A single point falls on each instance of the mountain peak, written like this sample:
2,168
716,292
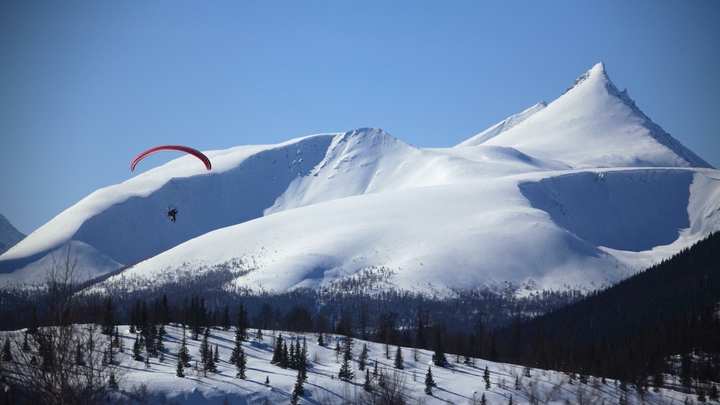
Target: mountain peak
593,124
598,75
9,236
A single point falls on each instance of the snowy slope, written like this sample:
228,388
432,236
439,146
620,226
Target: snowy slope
503,126
456,383
9,236
582,192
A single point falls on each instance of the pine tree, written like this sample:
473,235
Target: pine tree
285,357
375,370
511,401
483,400
367,385
117,343
225,322
438,356
136,349
399,362
346,373
241,364
110,353
292,358
216,356
183,352
303,360
429,382
112,382
321,342
486,378
242,323
277,351
210,364
713,396
259,335
205,351
267,381
7,351
79,356
236,350
159,345
299,389
25,345
108,321
180,367
362,359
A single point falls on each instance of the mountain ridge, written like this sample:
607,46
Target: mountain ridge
316,209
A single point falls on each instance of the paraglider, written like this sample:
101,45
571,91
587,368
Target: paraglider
172,212
186,149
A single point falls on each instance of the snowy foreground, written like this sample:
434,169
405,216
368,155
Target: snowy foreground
457,383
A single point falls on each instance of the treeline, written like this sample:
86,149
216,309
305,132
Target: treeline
665,320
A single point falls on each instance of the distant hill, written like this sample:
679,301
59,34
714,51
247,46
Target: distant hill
9,236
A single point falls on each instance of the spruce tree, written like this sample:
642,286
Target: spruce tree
346,373
285,357
183,352
299,389
438,356
7,350
180,366
236,350
399,362
241,364
277,351
225,322
429,382
303,360
205,351
483,400
112,382
367,385
136,350
362,359
25,345
79,356
486,378
242,323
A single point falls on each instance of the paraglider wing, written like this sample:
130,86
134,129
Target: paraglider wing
191,151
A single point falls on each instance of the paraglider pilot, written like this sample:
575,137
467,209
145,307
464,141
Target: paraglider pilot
171,213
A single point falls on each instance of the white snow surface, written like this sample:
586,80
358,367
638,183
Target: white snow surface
580,193
456,383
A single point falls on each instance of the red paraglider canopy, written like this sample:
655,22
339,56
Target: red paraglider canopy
191,151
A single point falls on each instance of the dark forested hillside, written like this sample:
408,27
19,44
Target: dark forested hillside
629,331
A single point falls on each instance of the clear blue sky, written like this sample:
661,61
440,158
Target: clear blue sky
87,85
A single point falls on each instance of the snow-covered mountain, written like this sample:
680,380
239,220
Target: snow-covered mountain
583,191
9,236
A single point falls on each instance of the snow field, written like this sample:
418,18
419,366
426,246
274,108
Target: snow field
455,384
